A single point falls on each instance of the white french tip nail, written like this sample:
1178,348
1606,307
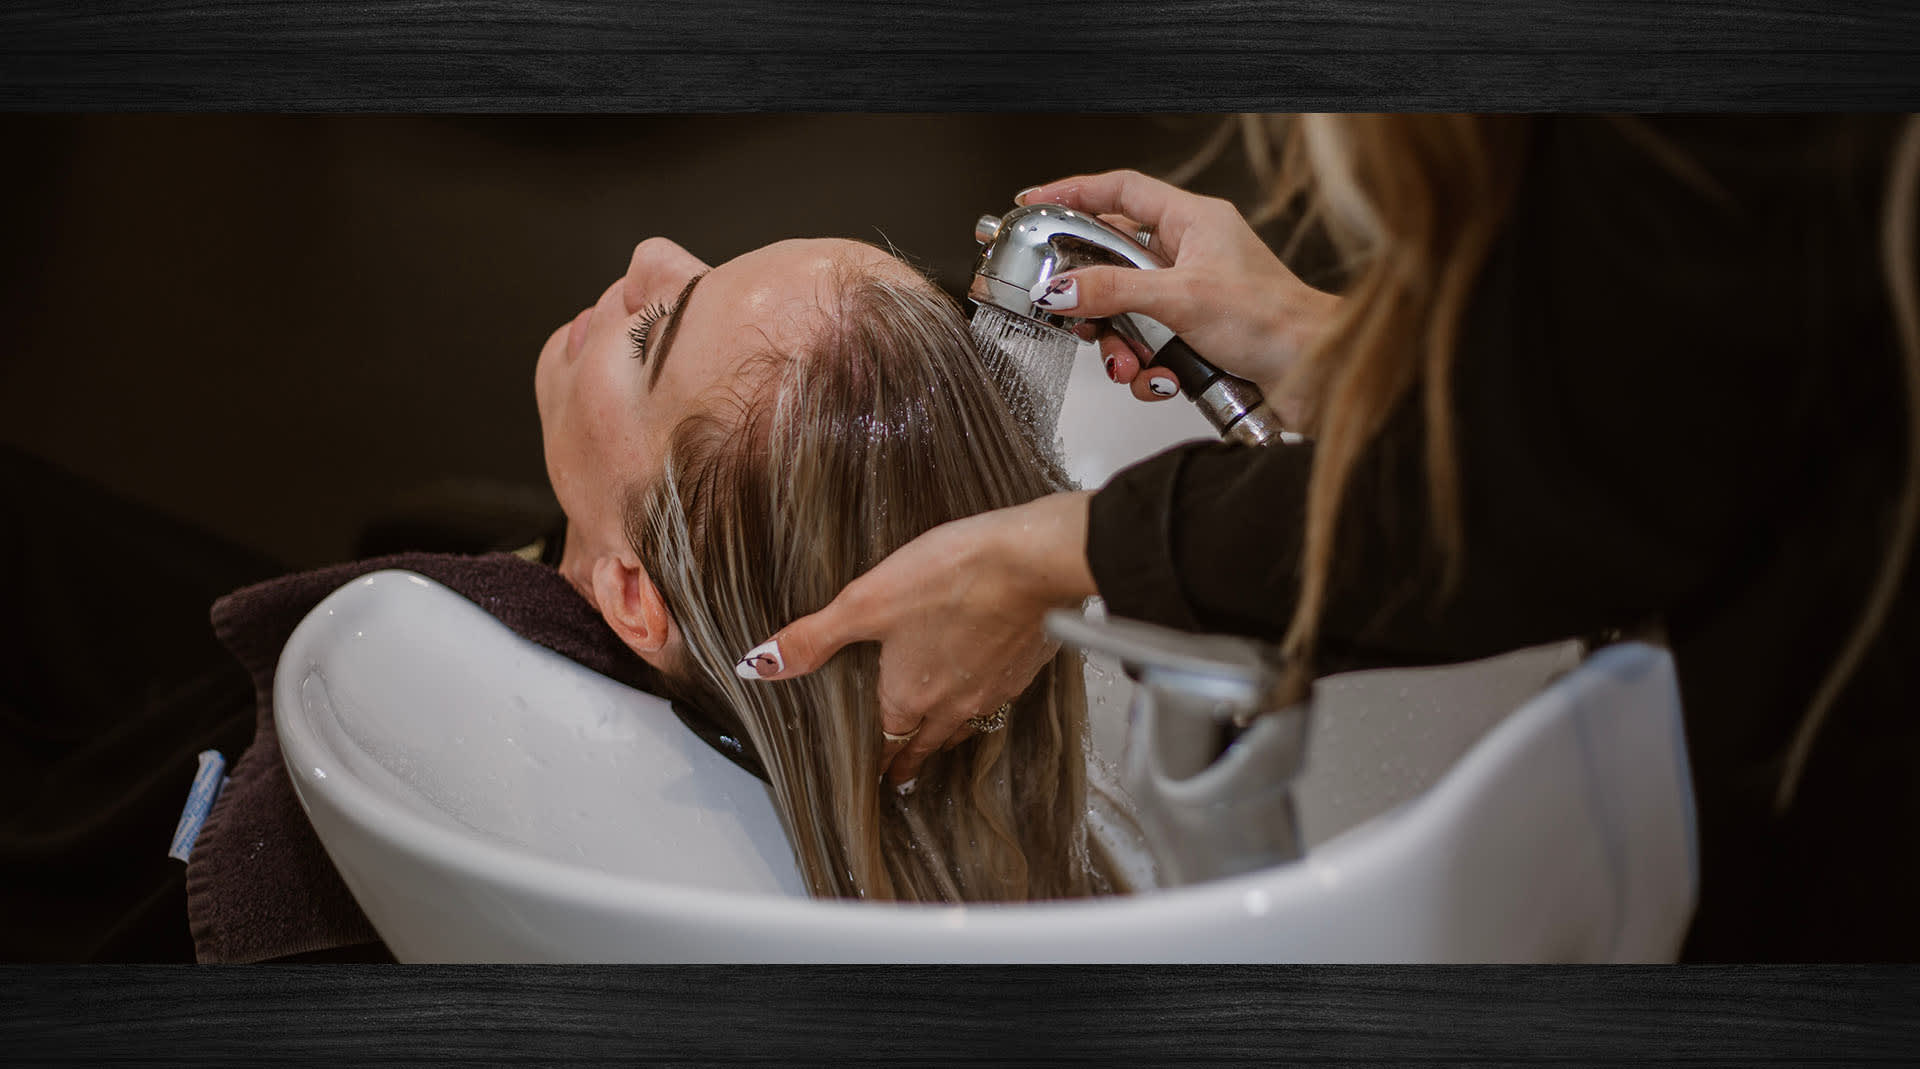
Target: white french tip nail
1056,294
760,662
1162,387
907,787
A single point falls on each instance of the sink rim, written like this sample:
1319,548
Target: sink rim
1253,916
372,813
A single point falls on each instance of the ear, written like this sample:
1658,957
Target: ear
634,609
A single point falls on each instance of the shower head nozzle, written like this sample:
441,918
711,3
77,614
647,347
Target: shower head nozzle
1030,244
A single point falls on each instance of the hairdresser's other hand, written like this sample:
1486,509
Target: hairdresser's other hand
1225,292
957,613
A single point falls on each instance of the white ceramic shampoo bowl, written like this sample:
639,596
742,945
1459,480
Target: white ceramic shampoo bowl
488,800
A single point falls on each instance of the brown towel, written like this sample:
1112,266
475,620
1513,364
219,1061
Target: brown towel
259,885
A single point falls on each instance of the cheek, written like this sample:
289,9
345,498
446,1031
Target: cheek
564,422
594,434
590,398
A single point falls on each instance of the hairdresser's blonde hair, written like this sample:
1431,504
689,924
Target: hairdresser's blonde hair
1414,203
886,426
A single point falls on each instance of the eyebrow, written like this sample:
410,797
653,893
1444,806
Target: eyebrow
672,327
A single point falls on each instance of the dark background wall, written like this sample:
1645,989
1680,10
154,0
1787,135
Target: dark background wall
279,327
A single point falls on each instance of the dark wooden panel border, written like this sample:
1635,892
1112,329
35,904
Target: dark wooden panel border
1741,1016
1117,55
898,55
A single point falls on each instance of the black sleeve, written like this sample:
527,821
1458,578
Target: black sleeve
1625,391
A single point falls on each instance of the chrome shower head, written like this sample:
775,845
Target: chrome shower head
1027,246
1030,244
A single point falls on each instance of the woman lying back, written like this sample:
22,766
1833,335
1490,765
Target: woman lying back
732,446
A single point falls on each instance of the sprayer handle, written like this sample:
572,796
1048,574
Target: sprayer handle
1233,405
1194,373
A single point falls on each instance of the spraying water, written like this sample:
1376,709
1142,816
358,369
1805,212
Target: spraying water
1030,362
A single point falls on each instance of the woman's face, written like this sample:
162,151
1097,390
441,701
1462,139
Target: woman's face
606,413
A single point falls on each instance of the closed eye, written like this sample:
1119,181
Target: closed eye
642,326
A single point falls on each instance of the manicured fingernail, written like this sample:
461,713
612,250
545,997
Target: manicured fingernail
1113,369
760,662
1163,386
1021,197
1056,294
907,787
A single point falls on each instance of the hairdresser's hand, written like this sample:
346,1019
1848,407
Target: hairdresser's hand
957,613
1225,292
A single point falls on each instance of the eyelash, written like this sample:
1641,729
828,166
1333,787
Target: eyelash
638,332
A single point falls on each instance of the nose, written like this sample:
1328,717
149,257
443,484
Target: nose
659,266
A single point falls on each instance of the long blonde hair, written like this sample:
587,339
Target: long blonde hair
1415,204
885,427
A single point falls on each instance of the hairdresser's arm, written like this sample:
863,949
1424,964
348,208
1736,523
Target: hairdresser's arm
1210,537
958,615
1621,395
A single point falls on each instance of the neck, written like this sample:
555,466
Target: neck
576,564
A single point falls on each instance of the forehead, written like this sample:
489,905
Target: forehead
776,295
771,300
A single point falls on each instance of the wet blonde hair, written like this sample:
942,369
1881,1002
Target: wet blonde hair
1414,204
885,426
